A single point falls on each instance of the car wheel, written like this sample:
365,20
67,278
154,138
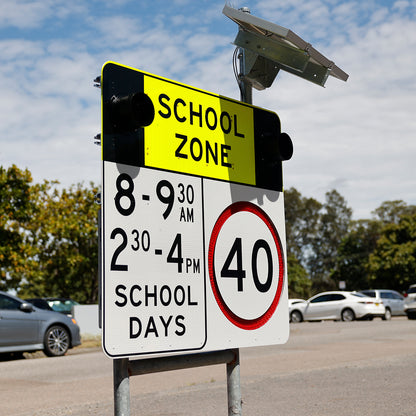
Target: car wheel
56,341
296,317
411,316
348,315
387,315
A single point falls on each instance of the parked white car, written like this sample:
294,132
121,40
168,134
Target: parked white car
294,315
410,302
337,305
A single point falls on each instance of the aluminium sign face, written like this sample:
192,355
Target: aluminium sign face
193,237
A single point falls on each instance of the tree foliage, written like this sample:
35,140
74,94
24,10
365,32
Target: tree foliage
302,221
16,208
299,283
48,238
351,264
393,263
64,238
377,253
314,232
332,228
391,211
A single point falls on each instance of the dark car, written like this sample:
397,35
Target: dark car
26,328
62,305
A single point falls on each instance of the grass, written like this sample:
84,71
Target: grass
90,341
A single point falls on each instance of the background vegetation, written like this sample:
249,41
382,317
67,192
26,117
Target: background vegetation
48,238
49,243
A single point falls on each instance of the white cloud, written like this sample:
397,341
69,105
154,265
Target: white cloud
203,44
356,136
23,14
118,31
28,14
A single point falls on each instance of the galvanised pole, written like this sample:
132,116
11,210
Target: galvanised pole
233,367
121,387
233,386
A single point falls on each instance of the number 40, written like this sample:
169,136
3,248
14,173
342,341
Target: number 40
236,252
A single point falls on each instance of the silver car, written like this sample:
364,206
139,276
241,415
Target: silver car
24,328
393,301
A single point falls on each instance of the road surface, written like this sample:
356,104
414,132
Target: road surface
329,368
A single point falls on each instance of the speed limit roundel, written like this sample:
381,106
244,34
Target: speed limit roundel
246,265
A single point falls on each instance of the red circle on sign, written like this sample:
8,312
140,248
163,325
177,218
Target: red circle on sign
243,323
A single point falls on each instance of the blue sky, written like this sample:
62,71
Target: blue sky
357,137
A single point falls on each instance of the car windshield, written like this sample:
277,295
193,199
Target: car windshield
412,290
61,306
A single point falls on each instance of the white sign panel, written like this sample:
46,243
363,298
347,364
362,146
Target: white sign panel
190,264
154,285
247,301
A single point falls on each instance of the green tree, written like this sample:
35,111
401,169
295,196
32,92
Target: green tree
298,281
352,262
63,235
301,219
332,228
16,209
391,211
314,232
353,258
393,263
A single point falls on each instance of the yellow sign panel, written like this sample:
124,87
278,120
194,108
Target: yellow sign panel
155,122
199,133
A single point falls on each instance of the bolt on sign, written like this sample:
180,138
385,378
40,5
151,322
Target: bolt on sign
193,253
